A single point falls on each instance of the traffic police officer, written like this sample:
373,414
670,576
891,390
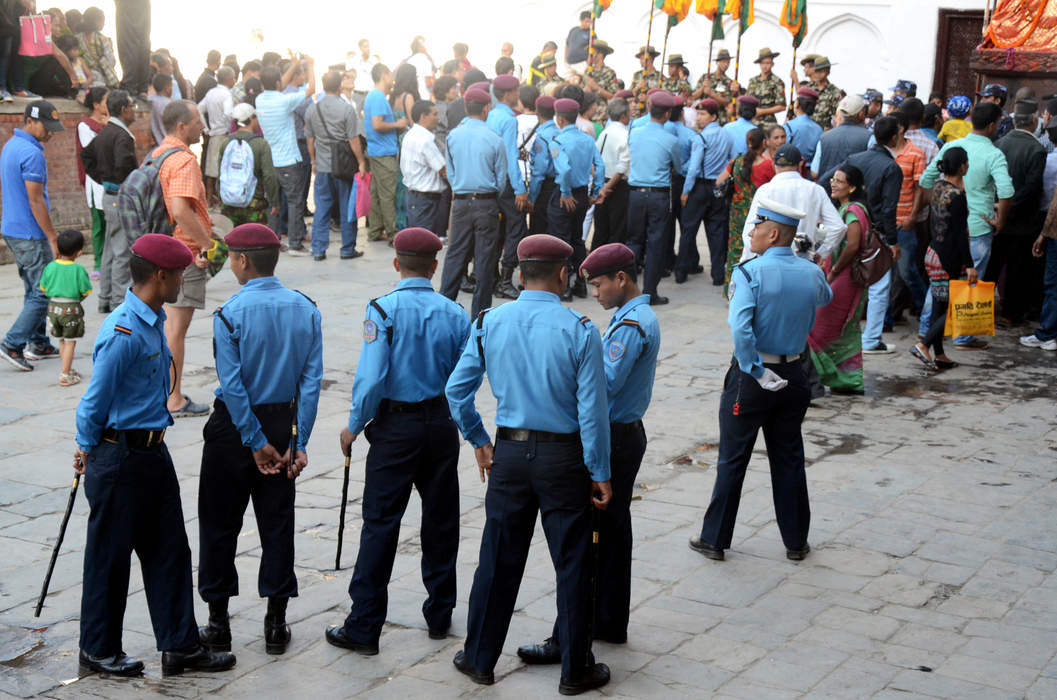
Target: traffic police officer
629,346
773,299
268,344
130,482
477,171
710,152
541,180
654,155
544,364
513,198
412,338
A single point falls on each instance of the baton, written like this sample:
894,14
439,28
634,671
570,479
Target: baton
58,544
595,515
341,521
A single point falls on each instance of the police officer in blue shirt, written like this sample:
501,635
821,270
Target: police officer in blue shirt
541,165
686,137
513,198
709,155
655,154
629,346
773,299
544,364
477,171
268,344
801,130
412,338
747,106
130,482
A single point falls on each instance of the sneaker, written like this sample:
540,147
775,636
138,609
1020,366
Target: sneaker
1032,341
879,349
298,253
974,344
27,94
95,275
16,358
5,96
41,352
352,256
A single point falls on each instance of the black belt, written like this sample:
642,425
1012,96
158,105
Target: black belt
548,180
651,189
579,190
390,406
622,428
271,409
475,195
136,439
427,195
520,435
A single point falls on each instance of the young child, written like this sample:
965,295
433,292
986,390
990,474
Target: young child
958,126
66,283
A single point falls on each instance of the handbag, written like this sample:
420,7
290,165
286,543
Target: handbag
35,35
343,162
875,257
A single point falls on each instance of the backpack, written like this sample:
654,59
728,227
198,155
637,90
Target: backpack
140,203
238,184
875,257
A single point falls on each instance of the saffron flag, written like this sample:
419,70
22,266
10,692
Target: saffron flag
677,10
741,10
794,18
601,6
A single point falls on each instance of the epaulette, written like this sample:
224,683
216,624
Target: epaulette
310,299
122,329
480,327
381,312
219,313
631,324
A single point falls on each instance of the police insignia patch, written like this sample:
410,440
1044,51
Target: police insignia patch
616,350
730,290
554,151
370,331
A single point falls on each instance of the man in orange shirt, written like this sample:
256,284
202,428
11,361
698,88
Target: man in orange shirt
185,198
912,162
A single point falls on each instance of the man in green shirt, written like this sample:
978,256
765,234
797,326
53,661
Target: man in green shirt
266,196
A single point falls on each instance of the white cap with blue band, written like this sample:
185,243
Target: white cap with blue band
770,210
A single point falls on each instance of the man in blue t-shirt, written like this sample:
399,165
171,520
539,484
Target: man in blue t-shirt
381,129
576,46
28,231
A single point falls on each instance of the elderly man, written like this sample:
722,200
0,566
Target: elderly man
847,138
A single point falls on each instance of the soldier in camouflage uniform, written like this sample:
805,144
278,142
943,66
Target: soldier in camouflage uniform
602,81
768,88
551,79
644,80
718,86
675,83
829,95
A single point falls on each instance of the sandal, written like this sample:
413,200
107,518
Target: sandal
916,352
69,379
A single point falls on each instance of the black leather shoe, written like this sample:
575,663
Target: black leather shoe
549,652
319,258
666,274
701,547
680,277
353,256
478,677
797,554
697,270
215,636
276,636
594,676
173,663
336,636
717,283
438,633
567,295
657,300
580,288
118,665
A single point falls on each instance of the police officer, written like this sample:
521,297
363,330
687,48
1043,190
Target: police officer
654,155
773,299
629,346
477,171
130,482
710,152
412,338
268,343
802,131
541,166
551,456
686,137
513,197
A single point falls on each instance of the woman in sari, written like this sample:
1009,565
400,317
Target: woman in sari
836,341
746,172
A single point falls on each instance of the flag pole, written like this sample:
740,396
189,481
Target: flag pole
737,57
649,27
792,86
664,49
591,40
708,71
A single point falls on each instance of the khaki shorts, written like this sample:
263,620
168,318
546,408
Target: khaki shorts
193,289
213,156
67,319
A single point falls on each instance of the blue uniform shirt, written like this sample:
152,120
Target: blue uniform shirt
428,333
686,137
709,154
630,346
476,159
654,154
502,121
545,368
804,133
773,299
272,350
541,165
574,153
737,130
130,374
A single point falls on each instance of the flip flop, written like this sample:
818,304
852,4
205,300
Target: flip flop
924,360
943,364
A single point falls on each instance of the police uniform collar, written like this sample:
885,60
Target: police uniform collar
502,107
139,307
779,250
538,295
630,304
414,283
268,282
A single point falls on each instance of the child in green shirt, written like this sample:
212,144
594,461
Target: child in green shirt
66,283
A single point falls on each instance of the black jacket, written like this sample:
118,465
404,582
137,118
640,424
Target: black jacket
1026,159
883,179
111,155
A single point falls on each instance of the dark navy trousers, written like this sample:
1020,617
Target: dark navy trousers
512,227
472,234
569,225
648,215
702,206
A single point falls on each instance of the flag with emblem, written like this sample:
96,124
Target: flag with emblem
794,18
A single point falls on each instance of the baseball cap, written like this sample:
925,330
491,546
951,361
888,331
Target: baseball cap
45,112
851,105
243,113
788,155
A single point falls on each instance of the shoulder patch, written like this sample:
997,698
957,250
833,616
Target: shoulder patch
370,331
310,299
122,329
554,151
730,288
615,350
584,320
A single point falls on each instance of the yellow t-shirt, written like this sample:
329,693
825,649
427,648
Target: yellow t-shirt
955,129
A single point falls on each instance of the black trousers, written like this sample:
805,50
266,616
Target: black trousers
1019,272
538,219
934,338
648,216
443,212
133,44
423,211
549,478
569,225
473,234
419,449
670,240
702,206
135,507
512,227
611,217
228,480
779,414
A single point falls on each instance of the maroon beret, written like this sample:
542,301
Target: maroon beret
653,91
707,103
679,101
252,237
749,100
607,258
417,241
566,104
662,99
163,251
477,96
807,92
624,94
483,85
505,82
541,247
544,102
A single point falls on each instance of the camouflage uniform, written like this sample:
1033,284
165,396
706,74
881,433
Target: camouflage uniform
770,92
677,86
720,84
826,107
638,102
547,87
606,78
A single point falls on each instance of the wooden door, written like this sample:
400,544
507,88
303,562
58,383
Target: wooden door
959,32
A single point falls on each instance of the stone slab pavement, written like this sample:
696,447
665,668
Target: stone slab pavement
932,571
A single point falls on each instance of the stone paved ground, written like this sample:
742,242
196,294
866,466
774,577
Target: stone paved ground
932,572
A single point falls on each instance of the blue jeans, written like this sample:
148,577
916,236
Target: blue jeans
31,256
926,314
1048,318
332,192
980,249
908,269
876,307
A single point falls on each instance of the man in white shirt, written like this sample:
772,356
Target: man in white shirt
527,123
216,109
423,67
611,213
423,168
362,65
